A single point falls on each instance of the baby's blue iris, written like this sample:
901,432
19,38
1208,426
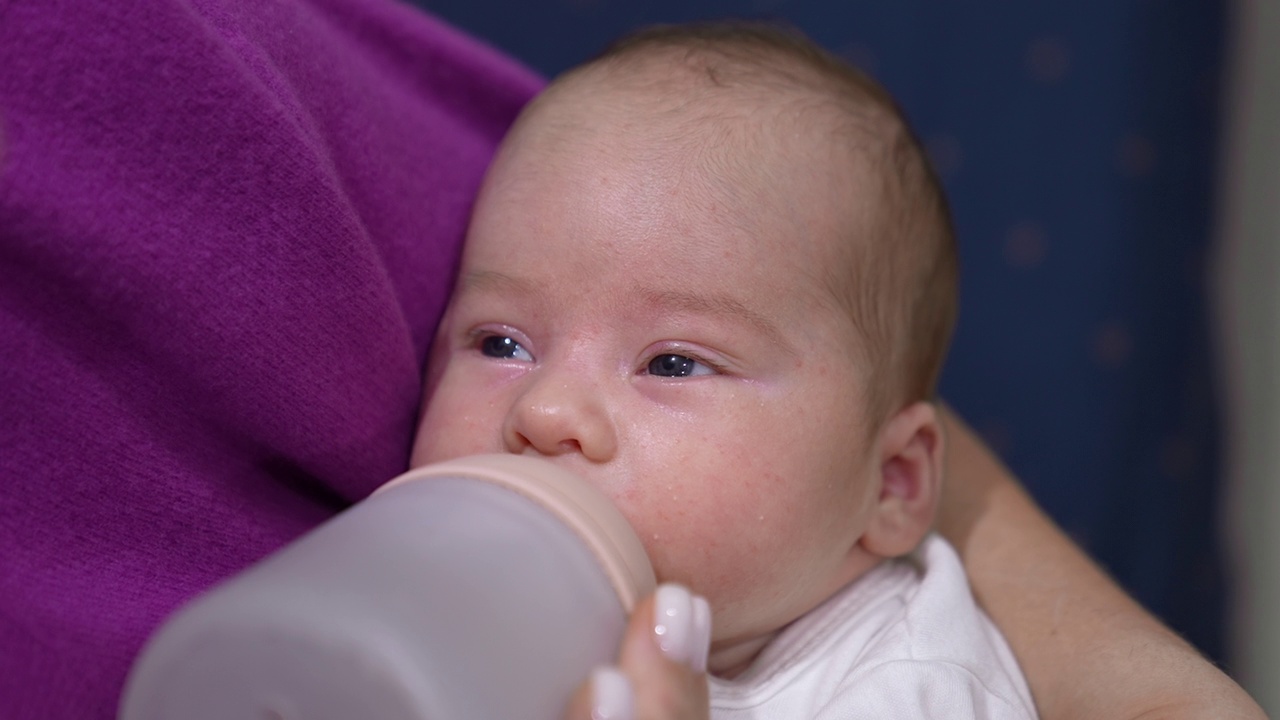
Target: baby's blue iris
671,365
501,346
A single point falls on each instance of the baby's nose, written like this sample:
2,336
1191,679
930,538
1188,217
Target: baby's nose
557,416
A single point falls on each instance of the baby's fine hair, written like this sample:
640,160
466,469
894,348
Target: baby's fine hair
903,293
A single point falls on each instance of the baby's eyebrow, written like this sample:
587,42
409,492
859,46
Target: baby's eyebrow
717,305
675,301
492,280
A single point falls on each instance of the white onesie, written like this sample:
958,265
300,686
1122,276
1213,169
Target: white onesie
906,640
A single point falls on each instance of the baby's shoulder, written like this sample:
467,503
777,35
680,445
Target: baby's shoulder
905,640
940,652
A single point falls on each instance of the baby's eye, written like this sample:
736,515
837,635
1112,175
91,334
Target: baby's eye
501,346
673,365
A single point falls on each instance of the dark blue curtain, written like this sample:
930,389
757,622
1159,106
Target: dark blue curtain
1076,140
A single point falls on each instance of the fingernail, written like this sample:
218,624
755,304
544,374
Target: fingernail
701,633
673,627
611,697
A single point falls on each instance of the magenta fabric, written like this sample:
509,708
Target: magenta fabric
227,230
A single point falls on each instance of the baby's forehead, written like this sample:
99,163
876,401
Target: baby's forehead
752,126
766,98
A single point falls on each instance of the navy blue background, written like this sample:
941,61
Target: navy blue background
1077,143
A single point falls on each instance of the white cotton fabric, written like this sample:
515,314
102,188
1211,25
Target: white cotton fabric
906,640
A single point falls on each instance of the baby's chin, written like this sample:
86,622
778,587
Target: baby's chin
739,626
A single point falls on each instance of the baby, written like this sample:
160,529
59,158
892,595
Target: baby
713,273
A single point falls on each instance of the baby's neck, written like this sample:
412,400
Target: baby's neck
731,658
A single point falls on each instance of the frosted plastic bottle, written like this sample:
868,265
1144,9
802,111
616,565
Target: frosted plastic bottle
478,589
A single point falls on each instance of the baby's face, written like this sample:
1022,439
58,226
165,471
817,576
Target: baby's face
630,312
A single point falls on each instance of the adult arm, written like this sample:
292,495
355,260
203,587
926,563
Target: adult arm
1088,650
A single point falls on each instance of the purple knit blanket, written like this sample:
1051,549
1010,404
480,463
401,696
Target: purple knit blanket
227,230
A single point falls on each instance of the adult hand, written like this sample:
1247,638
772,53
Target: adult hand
661,671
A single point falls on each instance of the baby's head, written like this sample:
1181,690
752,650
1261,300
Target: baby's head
713,273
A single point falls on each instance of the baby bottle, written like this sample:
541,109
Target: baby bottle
484,588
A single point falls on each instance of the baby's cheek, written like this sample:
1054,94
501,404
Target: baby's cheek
455,427
712,534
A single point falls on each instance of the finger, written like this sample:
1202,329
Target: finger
606,695
664,653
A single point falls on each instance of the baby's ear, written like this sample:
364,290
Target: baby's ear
910,481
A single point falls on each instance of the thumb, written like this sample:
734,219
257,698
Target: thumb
661,673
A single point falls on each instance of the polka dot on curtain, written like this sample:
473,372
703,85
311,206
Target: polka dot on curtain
860,55
1135,156
1048,59
1025,245
1112,345
946,154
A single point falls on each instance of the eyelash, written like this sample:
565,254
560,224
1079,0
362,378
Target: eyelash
478,338
715,368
